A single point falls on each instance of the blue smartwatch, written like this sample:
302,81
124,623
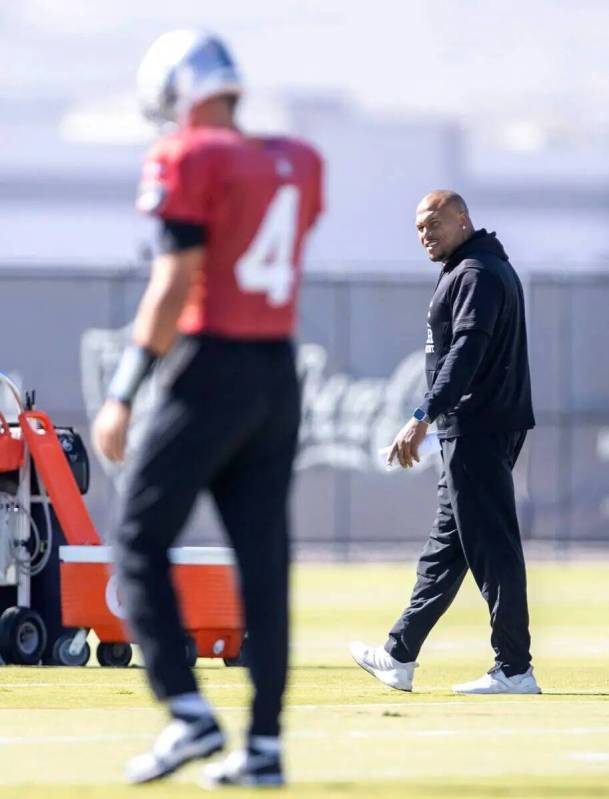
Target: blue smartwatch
420,415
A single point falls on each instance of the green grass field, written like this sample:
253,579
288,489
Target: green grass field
67,732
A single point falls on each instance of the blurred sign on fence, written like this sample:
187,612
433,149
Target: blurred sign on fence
361,364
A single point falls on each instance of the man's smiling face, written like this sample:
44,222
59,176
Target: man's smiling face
442,225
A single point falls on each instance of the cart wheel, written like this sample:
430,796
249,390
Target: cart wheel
62,655
23,636
242,658
192,653
114,655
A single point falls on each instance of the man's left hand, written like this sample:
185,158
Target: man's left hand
406,444
110,429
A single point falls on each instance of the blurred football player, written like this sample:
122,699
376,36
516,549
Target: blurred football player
219,310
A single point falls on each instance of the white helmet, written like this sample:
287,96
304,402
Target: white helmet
181,69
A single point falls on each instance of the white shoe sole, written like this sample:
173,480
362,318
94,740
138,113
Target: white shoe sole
391,678
245,781
520,691
146,768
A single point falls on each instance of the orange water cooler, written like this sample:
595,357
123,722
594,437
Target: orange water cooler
204,578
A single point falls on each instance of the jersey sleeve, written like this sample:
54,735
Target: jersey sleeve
317,203
476,302
177,183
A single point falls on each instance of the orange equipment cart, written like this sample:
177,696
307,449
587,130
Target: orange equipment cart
205,577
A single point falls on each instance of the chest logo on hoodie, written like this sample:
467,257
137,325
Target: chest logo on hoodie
429,345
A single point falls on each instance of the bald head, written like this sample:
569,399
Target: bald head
441,198
443,223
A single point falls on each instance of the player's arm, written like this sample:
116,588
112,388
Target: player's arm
475,309
182,252
154,328
465,356
458,370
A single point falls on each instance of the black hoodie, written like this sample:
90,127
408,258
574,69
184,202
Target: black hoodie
476,354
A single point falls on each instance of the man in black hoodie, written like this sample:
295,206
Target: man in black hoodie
480,399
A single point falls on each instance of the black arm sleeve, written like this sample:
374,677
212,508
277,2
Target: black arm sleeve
457,372
476,301
176,236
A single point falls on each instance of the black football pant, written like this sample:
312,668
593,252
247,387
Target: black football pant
227,421
476,527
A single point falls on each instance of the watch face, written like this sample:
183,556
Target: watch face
419,414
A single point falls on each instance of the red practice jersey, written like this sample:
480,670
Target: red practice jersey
256,198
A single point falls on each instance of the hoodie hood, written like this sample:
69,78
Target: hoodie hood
479,244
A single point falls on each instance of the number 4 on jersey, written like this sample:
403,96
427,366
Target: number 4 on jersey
268,264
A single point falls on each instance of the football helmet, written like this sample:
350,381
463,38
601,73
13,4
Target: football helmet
183,68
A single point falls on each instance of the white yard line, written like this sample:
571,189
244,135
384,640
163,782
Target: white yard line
580,696
18,740
106,688
398,774
465,702
66,686
589,757
391,734
574,731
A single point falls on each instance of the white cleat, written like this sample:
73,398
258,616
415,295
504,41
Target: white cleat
496,682
382,666
245,767
177,744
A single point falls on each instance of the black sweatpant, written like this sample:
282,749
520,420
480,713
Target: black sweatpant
476,527
227,421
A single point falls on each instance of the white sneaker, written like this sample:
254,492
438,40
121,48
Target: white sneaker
496,682
382,666
245,767
177,744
